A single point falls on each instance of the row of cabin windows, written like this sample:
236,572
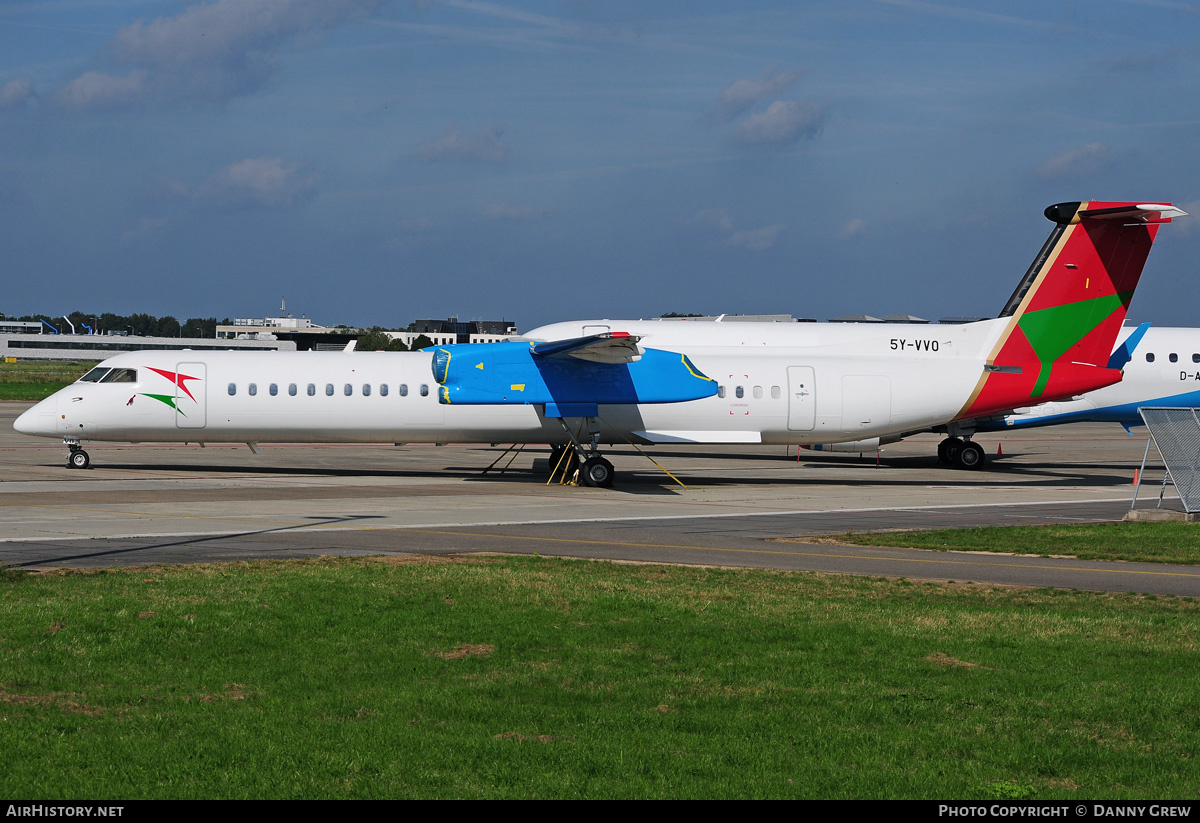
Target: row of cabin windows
756,391
311,389
1173,357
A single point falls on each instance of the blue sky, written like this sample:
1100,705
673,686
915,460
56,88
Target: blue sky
374,162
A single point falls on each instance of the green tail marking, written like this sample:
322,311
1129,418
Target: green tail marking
1051,332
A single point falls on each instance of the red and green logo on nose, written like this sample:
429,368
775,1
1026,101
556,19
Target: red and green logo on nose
177,379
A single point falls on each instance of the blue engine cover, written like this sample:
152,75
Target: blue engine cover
511,374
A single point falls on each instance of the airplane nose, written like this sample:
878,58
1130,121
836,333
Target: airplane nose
38,420
25,421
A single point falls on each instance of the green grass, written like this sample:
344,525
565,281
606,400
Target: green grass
38,379
535,677
1140,542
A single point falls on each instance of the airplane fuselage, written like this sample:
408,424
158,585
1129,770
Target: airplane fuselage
778,384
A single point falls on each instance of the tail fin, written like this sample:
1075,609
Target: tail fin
1065,314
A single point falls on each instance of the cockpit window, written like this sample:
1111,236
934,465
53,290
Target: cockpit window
120,376
94,375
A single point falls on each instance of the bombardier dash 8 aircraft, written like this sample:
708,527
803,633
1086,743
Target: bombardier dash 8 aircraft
576,385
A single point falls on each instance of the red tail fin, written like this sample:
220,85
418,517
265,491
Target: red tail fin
1065,314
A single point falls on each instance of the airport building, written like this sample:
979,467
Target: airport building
34,345
302,333
307,335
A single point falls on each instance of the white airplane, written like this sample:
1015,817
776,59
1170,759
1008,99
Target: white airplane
575,385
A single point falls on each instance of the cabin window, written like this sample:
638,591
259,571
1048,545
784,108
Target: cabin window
1196,358
1149,357
120,376
774,392
329,390
291,389
252,389
404,390
424,390
739,392
347,390
1173,357
366,389
758,392
312,389
274,390
720,391
383,389
232,389
95,375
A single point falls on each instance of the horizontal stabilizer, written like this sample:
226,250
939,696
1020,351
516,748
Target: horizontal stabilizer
609,347
1142,213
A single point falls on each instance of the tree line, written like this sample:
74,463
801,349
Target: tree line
134,324
147,325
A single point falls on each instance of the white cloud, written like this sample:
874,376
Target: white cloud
743,94
264,181
454,145
783,123
95,88
854,228
16,92
145,227
209,51
1082,160
753,239
756,239
716,217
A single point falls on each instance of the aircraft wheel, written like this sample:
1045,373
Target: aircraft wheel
78,459
598,472
970,456
944,450
949,450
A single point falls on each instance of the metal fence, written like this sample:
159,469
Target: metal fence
1176,435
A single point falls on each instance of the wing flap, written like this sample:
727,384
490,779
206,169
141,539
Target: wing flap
607,347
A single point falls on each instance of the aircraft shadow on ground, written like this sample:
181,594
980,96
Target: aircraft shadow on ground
828,470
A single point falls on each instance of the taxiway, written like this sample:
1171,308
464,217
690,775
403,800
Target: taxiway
739,506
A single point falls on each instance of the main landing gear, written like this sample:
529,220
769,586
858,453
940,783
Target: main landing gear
567,459
960,453
77,458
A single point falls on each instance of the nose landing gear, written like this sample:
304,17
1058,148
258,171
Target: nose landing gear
77,458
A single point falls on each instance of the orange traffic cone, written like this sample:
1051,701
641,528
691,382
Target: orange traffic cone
999,449
1135,476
